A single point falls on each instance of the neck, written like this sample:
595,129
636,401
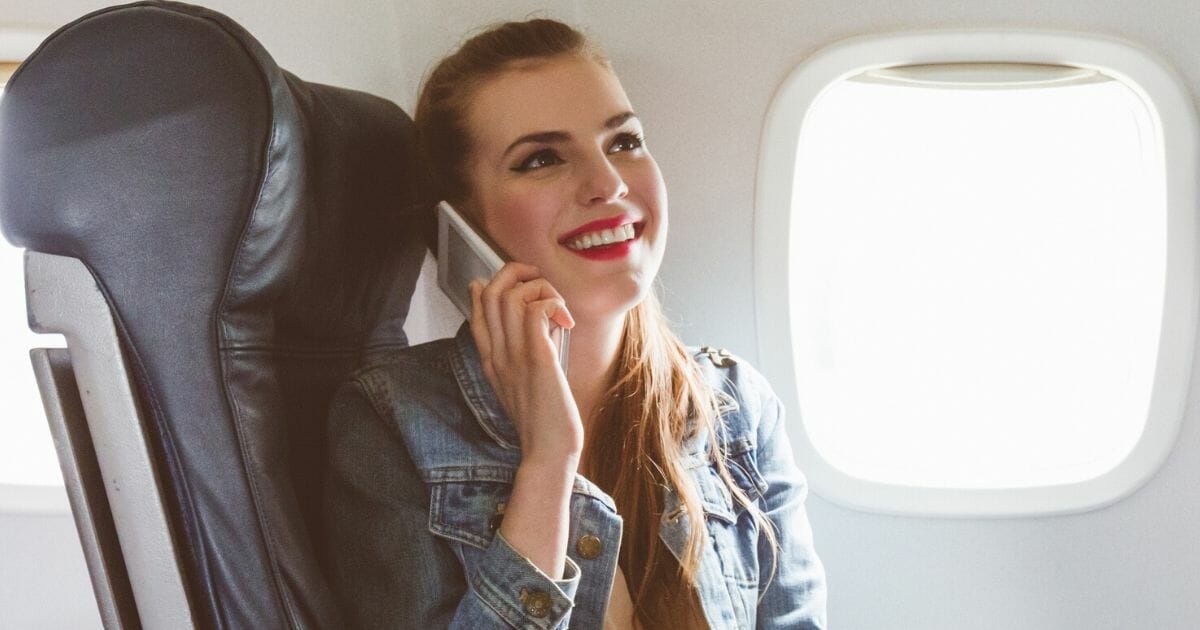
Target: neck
593,352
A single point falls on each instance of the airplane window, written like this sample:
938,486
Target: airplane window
1000,304
977,297
27,454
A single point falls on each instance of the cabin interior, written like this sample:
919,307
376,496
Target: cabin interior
1095,528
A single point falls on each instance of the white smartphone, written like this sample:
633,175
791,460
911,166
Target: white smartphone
464,255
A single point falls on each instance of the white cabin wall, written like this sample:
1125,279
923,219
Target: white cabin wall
43,578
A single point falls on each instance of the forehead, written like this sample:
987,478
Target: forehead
567,94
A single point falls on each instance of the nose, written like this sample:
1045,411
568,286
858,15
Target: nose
602,182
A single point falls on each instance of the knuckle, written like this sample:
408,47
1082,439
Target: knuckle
488,293
545,287
535,310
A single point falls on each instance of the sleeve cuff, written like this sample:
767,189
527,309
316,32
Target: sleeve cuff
521,593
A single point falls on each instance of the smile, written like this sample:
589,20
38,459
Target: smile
600,238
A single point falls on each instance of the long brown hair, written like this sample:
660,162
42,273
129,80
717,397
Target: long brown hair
658,399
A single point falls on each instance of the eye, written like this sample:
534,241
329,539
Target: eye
626,142
540,159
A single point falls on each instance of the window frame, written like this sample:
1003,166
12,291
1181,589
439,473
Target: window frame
16,45
1172,108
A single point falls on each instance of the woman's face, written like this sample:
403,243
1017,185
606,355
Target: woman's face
559,170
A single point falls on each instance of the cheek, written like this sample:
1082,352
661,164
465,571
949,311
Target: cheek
647,183
518,223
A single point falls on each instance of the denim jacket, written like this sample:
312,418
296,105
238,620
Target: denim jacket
422,462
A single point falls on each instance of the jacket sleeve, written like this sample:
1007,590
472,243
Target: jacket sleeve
385,566
795,595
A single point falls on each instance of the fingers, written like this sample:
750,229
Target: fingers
505,280
541,290
515,306
511,315
512,273
526,310
538,314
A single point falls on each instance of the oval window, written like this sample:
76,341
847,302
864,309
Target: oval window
981,288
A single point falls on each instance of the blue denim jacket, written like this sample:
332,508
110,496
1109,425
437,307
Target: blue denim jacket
423,459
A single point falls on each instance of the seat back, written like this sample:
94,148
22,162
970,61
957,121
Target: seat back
255,237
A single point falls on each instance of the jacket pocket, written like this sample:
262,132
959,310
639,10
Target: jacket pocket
468,511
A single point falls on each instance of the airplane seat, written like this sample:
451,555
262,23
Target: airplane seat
221,243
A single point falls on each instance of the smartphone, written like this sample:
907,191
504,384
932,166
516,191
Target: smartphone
464,255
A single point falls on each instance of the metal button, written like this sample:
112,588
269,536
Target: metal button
589,547
537,603
497,518
719,356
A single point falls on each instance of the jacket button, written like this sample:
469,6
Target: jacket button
719,356
537,603
589,547
497,518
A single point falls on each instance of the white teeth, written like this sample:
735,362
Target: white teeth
603,237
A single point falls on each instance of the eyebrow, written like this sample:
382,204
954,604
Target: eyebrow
549,137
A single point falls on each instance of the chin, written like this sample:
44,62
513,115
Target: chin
612,301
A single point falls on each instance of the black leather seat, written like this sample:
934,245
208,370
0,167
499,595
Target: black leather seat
255,237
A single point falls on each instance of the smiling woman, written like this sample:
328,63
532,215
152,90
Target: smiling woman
473,483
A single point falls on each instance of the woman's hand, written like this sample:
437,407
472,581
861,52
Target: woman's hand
511,318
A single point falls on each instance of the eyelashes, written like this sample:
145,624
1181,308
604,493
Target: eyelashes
539,159
542,158
627,141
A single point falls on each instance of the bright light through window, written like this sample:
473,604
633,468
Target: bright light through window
27,454
977,280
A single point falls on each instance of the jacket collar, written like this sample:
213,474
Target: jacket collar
481,398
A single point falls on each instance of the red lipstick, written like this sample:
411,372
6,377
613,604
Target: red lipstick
606,252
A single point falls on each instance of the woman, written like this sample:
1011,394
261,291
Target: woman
473,484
